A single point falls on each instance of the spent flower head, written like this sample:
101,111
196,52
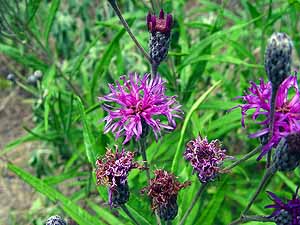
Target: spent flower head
290,210
137,104
205,157
112,170
163,190
287,110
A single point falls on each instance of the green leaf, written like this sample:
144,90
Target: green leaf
33,6
210,212
78,214
103,64
51,17
20,57
200,100
88,137
104,213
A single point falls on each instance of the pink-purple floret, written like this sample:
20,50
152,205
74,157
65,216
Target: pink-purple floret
292,207
139,102
287,112
162,24
205,157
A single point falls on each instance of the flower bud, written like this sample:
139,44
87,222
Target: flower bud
287,154
56,220
283,218
160,30
278,58
11,77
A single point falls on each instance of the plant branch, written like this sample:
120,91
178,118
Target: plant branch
245,219
115,7
195,199
243,159
268,175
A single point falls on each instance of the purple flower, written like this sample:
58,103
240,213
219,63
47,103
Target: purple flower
287,110
205,157
139,103
292,207
160,24
112,170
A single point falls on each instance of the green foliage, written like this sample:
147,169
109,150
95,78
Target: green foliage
216,49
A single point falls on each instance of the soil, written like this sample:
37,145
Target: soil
16,197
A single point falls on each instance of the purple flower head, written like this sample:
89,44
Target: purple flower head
137,104
287,110
205,157
292,207
161,24
113,169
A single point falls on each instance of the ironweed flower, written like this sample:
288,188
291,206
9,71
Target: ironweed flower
285,213
287,110
112,171
137,104
163,191
205,157
160,30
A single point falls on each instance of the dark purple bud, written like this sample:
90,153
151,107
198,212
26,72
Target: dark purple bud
161,14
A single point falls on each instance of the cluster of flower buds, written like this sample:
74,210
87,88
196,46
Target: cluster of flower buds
55,220
160,30
205,157
112,171
35,77
285,213
163,191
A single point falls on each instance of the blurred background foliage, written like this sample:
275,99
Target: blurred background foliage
80,47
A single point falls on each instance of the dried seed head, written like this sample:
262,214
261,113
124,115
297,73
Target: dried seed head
112,171
278,58
163,191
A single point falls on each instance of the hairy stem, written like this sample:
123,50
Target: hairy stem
268,175
195,199
245,219
115,7
123,206
243,159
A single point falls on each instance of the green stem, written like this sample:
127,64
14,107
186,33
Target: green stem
243,159
116,8
195,199
142,150
268,175
123,206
